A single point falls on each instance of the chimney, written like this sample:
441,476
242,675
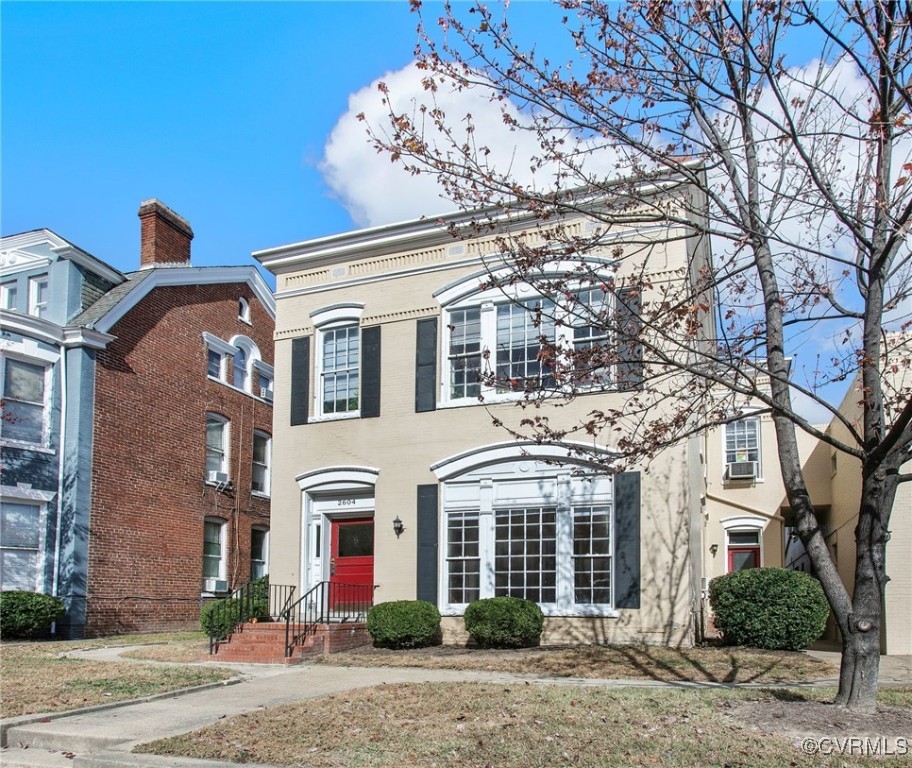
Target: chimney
164,236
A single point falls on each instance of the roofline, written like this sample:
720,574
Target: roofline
423,231
65,249
176,276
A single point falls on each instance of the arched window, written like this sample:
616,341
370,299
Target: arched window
243,310
240,369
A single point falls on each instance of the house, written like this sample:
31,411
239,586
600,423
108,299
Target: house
137,428
388,471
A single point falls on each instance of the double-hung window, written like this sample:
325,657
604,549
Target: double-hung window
260,471
259,552
24,401
20,545
464,356
217,428
214,548
339,379
38,295
742,449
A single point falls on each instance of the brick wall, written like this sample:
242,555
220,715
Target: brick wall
149,499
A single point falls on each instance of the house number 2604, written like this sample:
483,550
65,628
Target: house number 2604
346,502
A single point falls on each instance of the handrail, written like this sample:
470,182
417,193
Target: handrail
251,601
325,602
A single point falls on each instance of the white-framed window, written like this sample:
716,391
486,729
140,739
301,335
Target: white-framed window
9,295
259,552
244,310
21,544
241,374
742,449
217,434
743,542
508,340
25,397
264,386
337,368
215,543
340,369
529,529
262,448
38,295
215,364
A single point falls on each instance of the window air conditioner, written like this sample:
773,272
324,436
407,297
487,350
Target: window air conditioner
215,585
742,470
266,393
218,478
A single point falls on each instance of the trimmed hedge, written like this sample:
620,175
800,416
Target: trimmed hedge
772,608
28,614
504,622
404,624
220,617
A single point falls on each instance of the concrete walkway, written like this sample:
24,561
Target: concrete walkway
102,737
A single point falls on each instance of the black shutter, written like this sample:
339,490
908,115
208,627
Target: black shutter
426,576
426,365
370,371
630,352
627,540
300,379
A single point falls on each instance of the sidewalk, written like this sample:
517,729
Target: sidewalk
103,737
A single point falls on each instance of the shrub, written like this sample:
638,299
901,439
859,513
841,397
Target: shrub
404,624
28,614
772,608
220,617
504,622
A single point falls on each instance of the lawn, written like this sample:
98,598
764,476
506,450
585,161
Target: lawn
38,678
721,665
522,725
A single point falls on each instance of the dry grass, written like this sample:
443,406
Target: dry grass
36,678
515,726
607,662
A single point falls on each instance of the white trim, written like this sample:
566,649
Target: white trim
337,479
223,546
36,308
216,344
746,415
25,491
225,466
62,248
177,276
41,550
52,333
337,313
744,522
267,464
340,317
496,453
244,310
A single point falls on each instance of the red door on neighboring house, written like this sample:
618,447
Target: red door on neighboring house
351,565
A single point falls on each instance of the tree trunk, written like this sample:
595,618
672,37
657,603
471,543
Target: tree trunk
861,632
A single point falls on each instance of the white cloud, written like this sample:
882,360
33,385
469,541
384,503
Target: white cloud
375,190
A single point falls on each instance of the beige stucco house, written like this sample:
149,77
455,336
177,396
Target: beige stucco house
388,469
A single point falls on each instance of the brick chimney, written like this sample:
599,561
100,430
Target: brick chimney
164,236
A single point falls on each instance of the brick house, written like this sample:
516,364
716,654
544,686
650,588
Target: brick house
164,491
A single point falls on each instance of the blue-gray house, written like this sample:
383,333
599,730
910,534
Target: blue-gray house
45,434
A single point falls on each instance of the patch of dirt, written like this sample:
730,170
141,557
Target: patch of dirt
800,719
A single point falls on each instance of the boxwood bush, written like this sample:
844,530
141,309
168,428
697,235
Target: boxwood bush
28,614
504,622
772,608
404,624
220,617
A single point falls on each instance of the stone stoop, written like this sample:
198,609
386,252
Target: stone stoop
264,643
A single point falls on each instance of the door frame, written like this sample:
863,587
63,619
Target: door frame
324,509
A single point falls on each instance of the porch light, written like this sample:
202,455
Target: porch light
398,527
713,548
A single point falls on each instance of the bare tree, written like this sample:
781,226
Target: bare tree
712,119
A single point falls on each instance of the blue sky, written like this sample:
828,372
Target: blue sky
221,110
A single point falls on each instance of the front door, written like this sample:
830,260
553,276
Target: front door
351,565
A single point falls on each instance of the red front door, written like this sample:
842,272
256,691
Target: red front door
351,560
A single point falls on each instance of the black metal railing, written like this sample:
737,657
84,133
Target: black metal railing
326,602
257,600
